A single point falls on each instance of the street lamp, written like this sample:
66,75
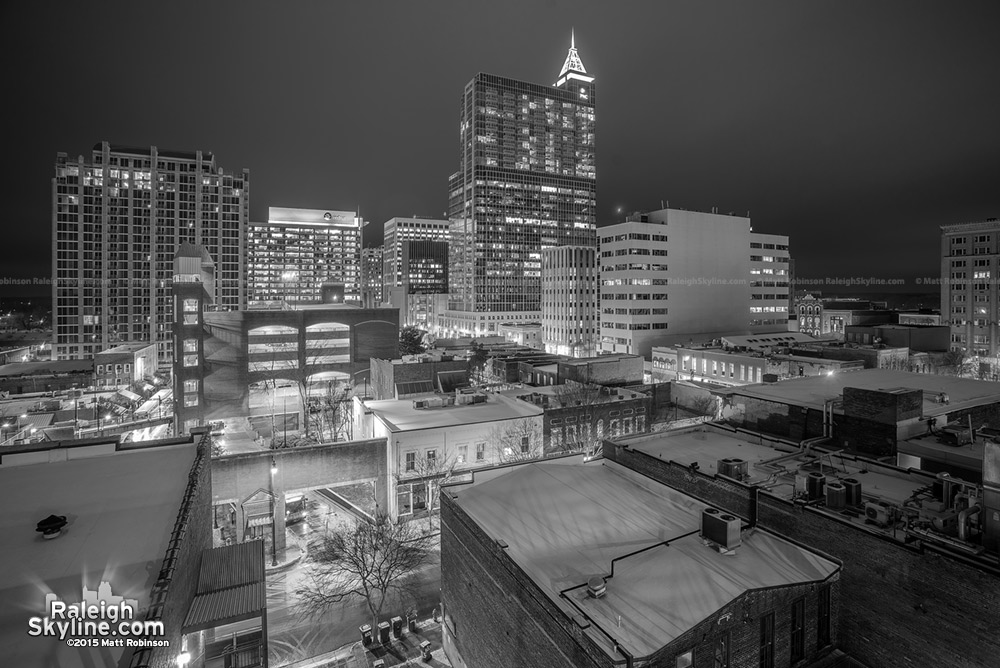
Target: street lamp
274,508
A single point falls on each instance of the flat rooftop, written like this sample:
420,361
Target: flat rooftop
706,445
400,415
815,391
968,456
121,509
564,522
50,368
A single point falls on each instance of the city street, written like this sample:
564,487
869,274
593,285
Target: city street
292,636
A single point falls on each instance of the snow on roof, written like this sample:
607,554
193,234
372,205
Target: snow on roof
400,415
564,523
814,391
121,509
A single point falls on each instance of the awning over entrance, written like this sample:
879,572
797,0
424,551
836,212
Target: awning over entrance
231,587
259,521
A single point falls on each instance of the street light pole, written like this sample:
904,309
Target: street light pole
274,508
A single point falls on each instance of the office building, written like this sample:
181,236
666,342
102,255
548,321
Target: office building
296,251
415,267
117,221
670,275
570,300
969,267
396,232
527,181
371,277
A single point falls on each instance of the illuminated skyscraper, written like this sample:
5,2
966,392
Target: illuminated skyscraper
117,222
296,251
527,181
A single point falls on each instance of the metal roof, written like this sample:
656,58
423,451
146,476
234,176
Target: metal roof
231,566
226,606
231,586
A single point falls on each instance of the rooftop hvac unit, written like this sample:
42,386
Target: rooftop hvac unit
596,587
815,482
721,528
853,487
878,514
836,496
420,404
734,467
956,434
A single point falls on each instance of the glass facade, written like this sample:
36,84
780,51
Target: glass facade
527,181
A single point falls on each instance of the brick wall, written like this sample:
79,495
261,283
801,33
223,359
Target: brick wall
882,407
495,614
182,582
740,620
899,608
498,618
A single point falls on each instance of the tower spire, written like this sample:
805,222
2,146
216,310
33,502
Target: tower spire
573,62
573,67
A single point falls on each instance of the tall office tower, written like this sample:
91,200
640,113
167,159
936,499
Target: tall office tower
424,268
117,222
527,181
371,277
669,276
396,232
297,250
570,300
970,263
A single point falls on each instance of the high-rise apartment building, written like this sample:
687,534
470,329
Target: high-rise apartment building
669,275
570,300
296,251
117,221
970,265
527,181
396,232
371,277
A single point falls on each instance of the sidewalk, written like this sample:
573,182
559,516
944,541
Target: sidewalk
403,651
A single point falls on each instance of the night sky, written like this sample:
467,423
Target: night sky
854,127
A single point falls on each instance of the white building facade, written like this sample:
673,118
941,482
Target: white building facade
671,275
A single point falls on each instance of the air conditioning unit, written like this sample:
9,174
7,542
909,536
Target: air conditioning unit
836,496
734,467
420,404
878,514
721,528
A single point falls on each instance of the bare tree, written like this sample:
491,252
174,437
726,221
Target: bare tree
516,441
332,414
433,472
372,561
957,363
577,394
704,405
583,434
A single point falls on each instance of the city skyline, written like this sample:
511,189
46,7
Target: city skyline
852,130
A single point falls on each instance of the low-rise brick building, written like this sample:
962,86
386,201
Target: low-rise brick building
578,565
578,417
866,412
